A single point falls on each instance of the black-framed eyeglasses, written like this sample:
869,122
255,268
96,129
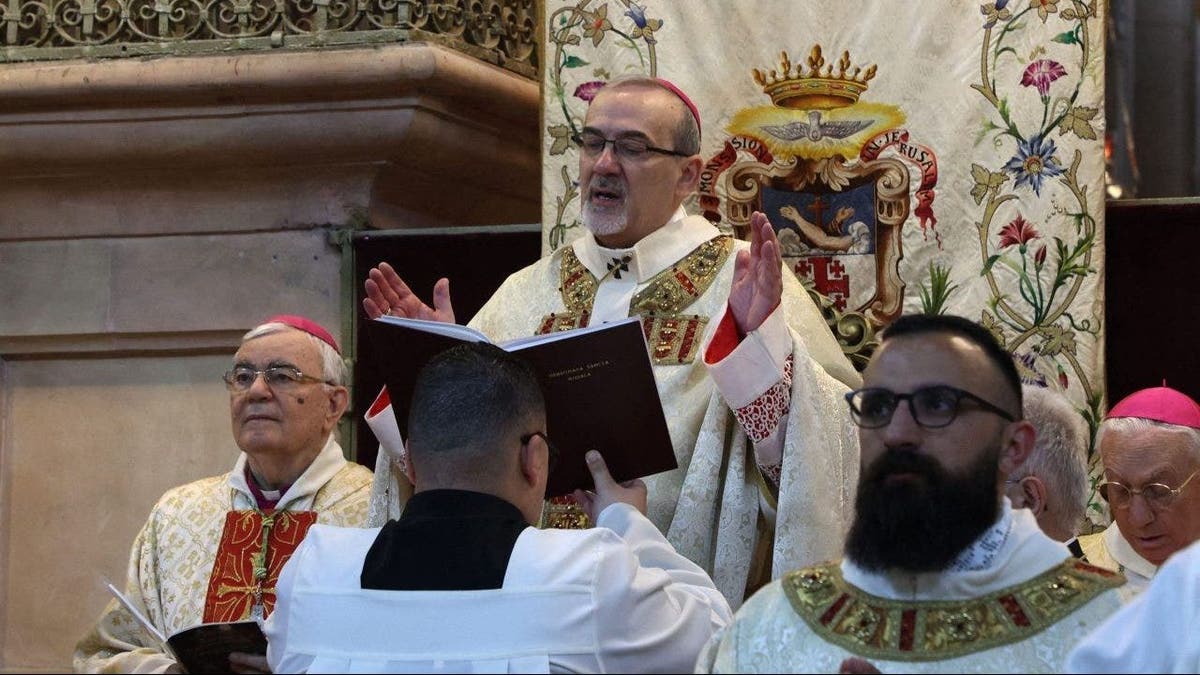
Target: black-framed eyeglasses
625,147
932,407
552,450
278,378
1158,496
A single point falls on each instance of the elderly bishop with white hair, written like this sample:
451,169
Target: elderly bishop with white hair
212,550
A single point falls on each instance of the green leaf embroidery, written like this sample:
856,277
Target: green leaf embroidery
1078,121
987,266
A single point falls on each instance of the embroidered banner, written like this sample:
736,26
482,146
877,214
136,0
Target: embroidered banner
913,156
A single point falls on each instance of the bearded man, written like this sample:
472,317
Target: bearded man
940,573
748,372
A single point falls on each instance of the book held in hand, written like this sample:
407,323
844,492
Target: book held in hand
598,383
203,648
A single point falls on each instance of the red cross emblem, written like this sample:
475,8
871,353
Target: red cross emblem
829,277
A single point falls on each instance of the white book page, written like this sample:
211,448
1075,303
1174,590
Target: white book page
141,618
521,343
454,330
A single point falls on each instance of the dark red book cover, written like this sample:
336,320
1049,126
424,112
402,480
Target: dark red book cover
598,383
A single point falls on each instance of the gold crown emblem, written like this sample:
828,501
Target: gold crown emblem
816,89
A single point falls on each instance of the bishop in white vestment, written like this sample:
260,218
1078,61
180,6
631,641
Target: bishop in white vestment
212,550
750,377
1149,443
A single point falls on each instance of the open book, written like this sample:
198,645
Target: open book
203,648
598,382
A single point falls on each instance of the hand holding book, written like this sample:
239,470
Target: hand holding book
608,491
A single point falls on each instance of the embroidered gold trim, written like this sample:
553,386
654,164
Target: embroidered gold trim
576,283
672,290
564,513
895,630
673,339
552,323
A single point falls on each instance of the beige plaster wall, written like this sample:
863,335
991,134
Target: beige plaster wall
90,445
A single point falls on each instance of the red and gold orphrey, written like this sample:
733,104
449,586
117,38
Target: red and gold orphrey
241,574
896,630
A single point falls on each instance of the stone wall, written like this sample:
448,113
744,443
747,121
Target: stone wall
151,211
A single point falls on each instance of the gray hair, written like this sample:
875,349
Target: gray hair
1059,457
333,368
1141,424
687,130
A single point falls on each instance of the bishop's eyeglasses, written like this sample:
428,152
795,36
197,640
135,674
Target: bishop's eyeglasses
625,147
1157,495
278,378
932,407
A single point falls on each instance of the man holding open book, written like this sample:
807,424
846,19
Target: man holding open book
749,375
462,583
211,551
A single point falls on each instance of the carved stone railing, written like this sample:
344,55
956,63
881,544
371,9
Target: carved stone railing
502,32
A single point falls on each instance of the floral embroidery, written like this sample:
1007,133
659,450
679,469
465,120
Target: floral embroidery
761,416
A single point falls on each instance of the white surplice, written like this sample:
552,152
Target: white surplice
615,598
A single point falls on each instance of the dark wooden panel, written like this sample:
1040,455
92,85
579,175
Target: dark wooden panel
476,264
1151,272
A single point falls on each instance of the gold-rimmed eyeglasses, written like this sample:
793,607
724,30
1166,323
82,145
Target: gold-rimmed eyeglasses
1157,495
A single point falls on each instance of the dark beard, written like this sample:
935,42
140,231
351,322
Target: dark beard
920,524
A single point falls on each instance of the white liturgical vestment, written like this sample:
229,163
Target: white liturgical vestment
615,598
779,392
1154,633
181,549
1015,601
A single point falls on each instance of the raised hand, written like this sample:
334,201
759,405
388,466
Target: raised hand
608,491
388,294
757,277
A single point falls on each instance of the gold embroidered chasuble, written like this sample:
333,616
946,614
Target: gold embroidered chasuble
710,506
1022,613
196,559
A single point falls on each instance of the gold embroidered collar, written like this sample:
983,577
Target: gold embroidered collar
897,630
669,292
